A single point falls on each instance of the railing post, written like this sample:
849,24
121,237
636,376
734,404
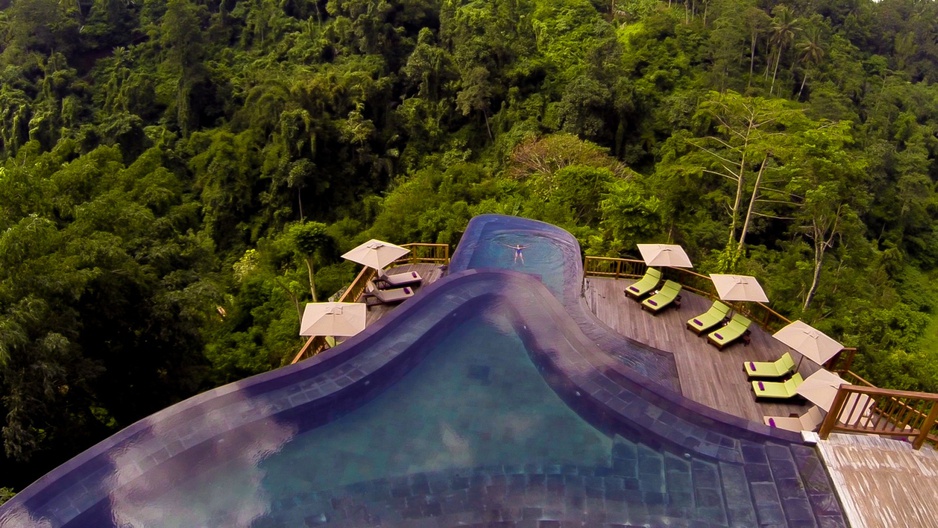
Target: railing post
926,427
831,419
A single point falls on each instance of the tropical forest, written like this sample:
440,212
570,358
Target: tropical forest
179,177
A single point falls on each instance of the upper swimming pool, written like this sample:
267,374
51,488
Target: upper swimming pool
486,398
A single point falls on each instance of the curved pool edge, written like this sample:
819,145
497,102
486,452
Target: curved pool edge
658,382
609,393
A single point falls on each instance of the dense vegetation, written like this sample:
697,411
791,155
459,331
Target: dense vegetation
174,171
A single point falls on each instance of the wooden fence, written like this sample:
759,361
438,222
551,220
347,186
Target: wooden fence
701,284
871,410
420,253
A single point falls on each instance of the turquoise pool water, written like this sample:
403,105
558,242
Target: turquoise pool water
477,400
437,415
544,257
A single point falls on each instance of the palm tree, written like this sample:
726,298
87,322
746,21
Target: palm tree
784,26
757,21
810,51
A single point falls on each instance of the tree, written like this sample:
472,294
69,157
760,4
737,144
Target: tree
810,50
756,22
749,133
825,184
311,238
784,28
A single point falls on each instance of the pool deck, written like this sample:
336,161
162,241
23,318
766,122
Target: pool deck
708,376
430,273
860,466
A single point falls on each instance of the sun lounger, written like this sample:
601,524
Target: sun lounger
398,280
808,421
770,369
644,285
666,296
735,329
706,321
374,296
778,390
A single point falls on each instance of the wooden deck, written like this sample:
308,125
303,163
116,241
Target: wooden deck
430,274
882,482
708,376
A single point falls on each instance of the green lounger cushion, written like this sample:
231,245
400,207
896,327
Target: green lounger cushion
665,297
708,320
778,390
645,284
729,333
770,369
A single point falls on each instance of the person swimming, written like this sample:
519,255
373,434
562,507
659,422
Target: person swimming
518,252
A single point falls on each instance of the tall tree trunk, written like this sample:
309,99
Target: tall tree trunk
752,203
778,58
803,80
293,297
312,283
752,58
821,245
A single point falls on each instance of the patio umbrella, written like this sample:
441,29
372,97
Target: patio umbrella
376,254
333,319
821,387
671,255
738,288
810,342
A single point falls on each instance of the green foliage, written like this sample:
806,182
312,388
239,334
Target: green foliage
191,170
5,495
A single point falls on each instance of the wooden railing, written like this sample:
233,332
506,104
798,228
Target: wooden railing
871,410
317,344
420,253
424,253
701,284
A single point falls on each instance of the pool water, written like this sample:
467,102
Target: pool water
544,257
467,428
477,400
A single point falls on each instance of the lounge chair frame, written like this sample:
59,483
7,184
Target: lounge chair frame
717,315
643,286
373,296
736,329
778,390
398,280
668,295
810,420
779,368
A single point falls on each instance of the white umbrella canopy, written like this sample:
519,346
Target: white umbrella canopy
670,255
820,389
376,254
738,288
333,319
809,342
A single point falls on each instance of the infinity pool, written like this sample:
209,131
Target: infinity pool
487,398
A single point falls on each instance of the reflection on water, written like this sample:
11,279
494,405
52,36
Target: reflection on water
476,400
186,493
18,517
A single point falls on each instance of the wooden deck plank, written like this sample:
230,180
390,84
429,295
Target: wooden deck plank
882,482
708,376
430,273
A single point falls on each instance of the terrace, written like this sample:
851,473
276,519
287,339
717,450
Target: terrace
717,380
522,394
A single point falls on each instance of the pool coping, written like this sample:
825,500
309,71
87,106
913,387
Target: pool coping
597,380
